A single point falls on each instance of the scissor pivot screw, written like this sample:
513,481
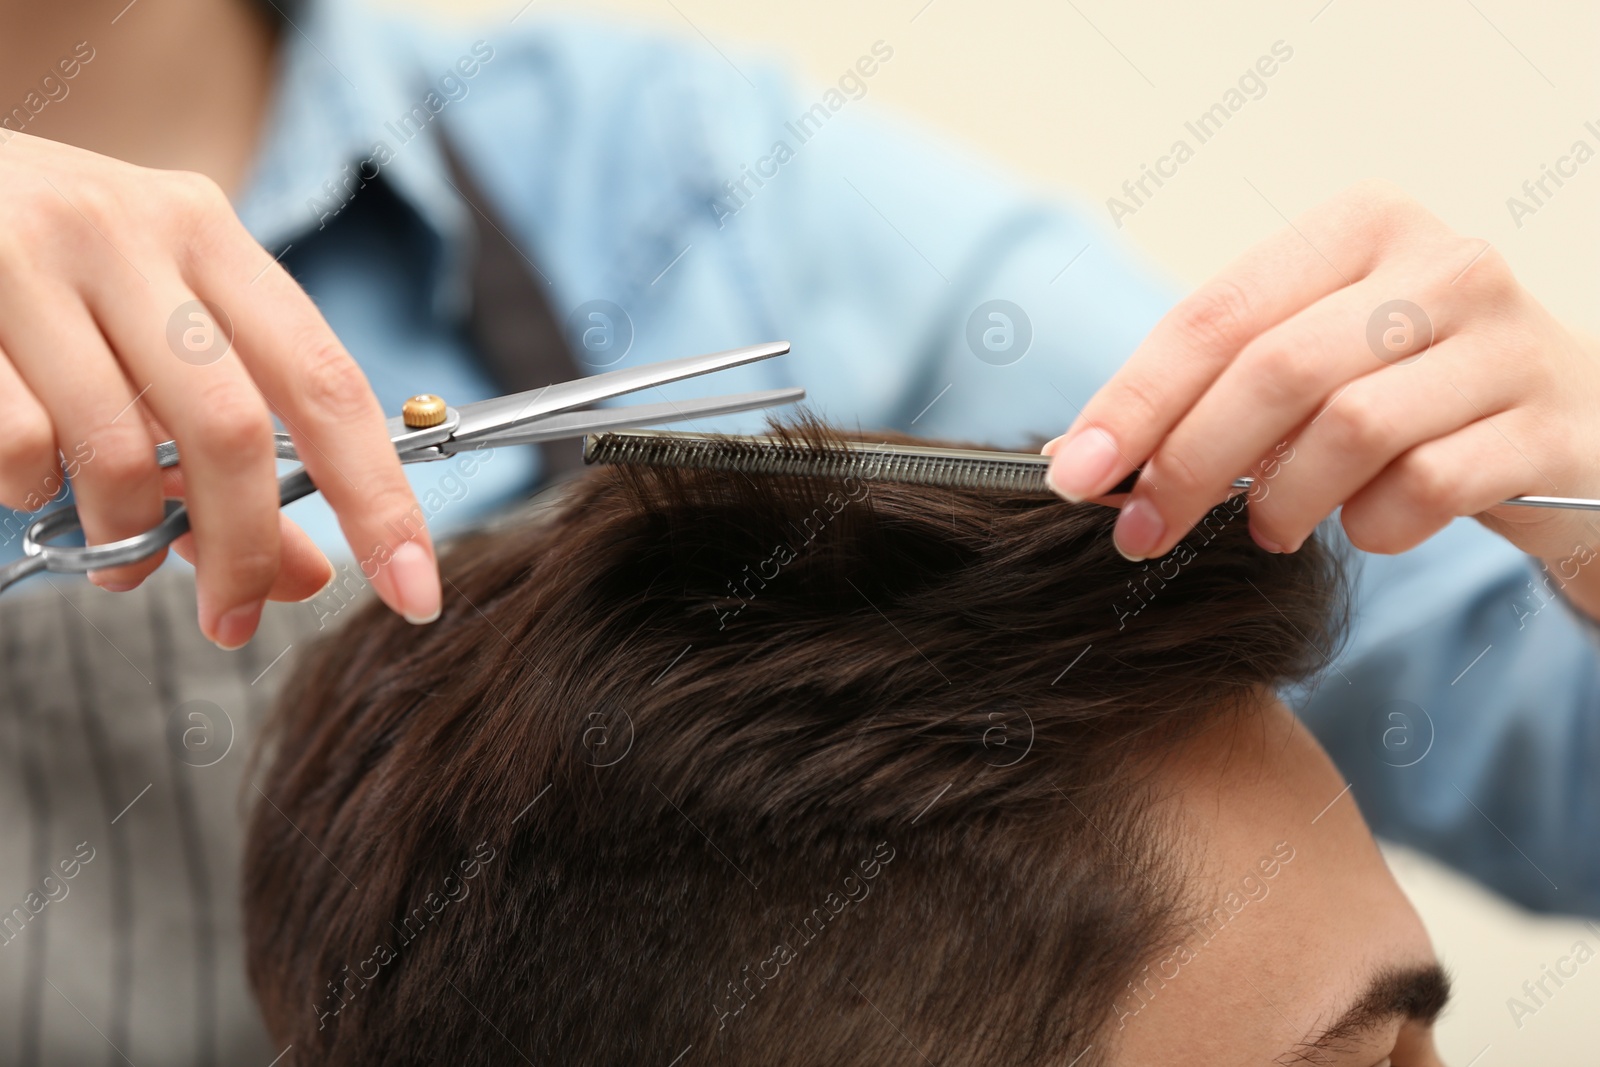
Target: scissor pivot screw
423,411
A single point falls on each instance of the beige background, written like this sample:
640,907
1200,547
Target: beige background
1458,101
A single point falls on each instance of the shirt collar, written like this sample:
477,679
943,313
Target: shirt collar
344,79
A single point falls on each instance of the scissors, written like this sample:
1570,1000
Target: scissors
430,430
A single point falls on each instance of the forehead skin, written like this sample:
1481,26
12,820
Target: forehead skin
1290,949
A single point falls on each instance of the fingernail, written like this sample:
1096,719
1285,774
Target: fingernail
115,587
103,580
233,628
1083,464
1051,445
414,577
1139,529
1268,545
332,574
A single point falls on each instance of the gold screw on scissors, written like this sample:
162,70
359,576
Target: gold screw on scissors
422,411
427,430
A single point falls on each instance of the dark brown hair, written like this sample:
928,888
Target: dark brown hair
703,768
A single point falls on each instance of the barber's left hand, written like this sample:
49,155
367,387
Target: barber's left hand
1291,366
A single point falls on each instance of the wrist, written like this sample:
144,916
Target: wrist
1576,579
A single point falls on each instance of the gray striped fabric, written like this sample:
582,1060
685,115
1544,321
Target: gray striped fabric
114,720
124,738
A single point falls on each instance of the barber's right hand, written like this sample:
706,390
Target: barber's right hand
106,348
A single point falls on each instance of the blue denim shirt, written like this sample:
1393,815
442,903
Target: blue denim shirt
678,199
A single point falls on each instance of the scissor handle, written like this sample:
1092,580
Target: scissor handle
78,559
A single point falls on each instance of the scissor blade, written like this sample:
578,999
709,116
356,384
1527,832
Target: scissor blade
508,412
577,423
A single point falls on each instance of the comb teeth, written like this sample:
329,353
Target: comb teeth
950,468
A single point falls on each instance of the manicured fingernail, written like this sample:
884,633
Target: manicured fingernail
103,580
332,574
233,628
114,587
1139,529
1268,545
1083,464
1051,445
414,577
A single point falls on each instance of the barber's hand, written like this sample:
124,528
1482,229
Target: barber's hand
104,349
1298,366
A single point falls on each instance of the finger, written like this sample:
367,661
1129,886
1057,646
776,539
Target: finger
303,570
1172,368
61,354
338,428
1276,383
1418,494
1365,427
200,391
1332,246
30,469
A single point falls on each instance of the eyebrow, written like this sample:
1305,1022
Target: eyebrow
1417,993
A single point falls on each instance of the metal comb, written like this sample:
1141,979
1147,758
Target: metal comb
951,468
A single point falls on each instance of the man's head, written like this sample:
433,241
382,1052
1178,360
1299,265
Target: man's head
790,772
